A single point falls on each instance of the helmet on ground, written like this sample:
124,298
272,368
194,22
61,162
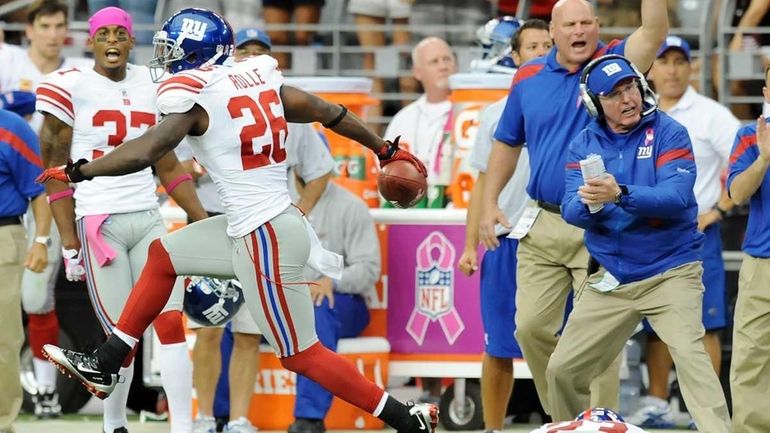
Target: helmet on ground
495,39
600,414
210,301
191,38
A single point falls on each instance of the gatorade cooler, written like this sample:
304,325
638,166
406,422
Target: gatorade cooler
355,167
471,92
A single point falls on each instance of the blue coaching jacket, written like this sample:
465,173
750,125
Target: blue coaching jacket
654,228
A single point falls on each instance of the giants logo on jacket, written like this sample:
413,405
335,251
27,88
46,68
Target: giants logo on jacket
434,290
645,150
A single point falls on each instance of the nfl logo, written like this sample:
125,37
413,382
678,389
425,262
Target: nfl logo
434,292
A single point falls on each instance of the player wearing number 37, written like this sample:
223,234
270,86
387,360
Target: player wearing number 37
234,116
641,232
107,229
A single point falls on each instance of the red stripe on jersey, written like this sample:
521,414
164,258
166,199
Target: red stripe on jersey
261,292
55,104
20,146
191,75
525,72
603,50
573,166
180,80
63,100
746,142
280,288
60,89
671,155
179,88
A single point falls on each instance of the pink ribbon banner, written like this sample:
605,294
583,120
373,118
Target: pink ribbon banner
432,306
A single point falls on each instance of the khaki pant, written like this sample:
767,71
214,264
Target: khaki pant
750,370
552,261
13,249
601,323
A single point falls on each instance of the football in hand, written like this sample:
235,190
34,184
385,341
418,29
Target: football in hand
401,184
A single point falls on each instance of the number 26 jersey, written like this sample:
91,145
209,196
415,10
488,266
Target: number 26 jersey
243,147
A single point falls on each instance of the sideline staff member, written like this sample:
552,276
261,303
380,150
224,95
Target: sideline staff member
645,242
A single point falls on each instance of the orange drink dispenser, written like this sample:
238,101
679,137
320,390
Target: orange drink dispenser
471,93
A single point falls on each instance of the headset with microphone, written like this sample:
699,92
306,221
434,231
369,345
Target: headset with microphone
591,101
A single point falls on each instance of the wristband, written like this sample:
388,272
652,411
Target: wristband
334,122
175,183
60,195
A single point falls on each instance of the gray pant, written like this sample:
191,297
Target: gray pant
129,235
13,248
268,262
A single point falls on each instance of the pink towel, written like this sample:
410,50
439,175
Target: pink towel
103,253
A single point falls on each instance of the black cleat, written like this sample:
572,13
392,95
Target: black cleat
85,368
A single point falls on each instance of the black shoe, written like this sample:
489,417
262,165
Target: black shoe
426,417
83,367
307,425
120,430
46,404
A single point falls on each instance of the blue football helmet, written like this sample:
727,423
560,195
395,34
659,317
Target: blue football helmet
600,414
212,302
191,38
495,39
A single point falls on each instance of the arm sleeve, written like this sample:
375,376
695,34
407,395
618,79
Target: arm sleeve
362,251
573,210
484,136
54,95
675,178
743,154
24,161
315,159
510,129
180,93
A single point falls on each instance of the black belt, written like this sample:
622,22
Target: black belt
9,221
553,208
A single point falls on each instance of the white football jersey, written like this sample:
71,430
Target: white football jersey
585,426
103,114
19,73
243,147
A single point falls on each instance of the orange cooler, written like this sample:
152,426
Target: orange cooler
355,168
471,92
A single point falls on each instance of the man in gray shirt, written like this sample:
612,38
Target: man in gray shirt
344,226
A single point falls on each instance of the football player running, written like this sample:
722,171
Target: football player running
234,115
107,225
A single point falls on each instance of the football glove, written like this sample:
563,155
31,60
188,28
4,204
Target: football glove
73,265
390,152
69,173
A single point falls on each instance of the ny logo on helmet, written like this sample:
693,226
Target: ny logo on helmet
193,29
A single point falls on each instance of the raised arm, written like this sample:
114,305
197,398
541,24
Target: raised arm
302,107
141,152
55,143
642,46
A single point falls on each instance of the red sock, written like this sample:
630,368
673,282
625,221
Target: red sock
151,292
169,328
336,374
43,329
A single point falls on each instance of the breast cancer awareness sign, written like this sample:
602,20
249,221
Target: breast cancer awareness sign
434,290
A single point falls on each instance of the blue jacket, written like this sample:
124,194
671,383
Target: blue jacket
20,164
756,241
653,229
